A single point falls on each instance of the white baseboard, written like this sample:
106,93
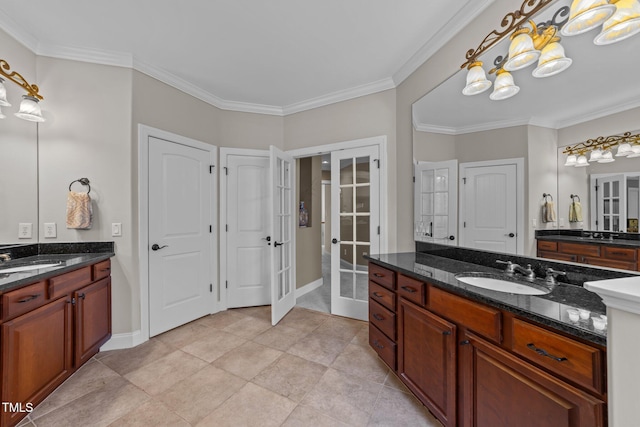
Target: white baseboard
121,341
309,287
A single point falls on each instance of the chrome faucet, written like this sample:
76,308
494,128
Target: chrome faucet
5,257
551,275
516,268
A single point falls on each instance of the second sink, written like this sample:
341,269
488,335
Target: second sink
28,267
491,282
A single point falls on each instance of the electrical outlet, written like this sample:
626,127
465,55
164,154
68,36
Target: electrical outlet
50,230
116,229
25,230
534,223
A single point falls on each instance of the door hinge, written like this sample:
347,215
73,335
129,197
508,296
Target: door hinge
226,227
210,229
211,168
226,170
378,230
377,162
464,180
414,179
211,287
226,284
464,224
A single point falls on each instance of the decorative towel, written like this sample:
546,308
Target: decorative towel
575,212
548,212
79,211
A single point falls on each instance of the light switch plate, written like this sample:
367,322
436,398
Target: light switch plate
50,230
116,229
25,230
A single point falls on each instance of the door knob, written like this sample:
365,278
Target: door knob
452,237
510,235
156,247
334,241
276,244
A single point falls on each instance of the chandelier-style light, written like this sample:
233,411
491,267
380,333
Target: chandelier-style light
29,107
476,80
600,149
504,87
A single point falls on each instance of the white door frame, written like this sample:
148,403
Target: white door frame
225,152
381,142
144,132
519,162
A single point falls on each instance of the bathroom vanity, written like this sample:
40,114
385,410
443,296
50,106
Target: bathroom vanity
54,318
478,357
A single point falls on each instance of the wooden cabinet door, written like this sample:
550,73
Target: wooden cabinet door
36,355
501,390
427,359
93,319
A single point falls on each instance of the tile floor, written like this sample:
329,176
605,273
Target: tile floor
234,369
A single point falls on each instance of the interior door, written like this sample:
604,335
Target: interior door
355,227
490,208
247,227
180,278
282,223
611,203
436,202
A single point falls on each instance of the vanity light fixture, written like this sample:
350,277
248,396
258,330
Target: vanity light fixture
620,19
600,149
624,23
477,81
586,15
504,87
29,107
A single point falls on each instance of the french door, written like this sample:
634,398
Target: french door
436,202
355,227
611,203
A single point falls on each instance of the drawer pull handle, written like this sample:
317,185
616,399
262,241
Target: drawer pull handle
378,275
543,352
465,342
377,344
378,317
446,333
105,269
408,289
29,298
81,296
377,295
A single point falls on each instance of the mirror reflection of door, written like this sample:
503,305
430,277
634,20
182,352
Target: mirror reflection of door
436,202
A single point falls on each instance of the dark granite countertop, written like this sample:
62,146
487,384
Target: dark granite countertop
590,240
549,309
67,256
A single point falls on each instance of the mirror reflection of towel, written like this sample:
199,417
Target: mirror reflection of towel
79,210
575,212
548,212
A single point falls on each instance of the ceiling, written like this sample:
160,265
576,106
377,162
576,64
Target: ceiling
602,80
273,57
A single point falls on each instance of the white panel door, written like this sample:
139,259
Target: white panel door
436,202
355,228
490,208
180,284
282,230
612,202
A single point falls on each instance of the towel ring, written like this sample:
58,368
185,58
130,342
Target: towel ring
83,181
574,196
545,195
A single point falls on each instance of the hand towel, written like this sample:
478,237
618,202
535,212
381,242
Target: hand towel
79,210
575,212
548,212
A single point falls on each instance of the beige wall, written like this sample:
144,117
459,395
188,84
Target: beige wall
308,239
433,147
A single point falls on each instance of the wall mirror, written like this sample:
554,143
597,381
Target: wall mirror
596,96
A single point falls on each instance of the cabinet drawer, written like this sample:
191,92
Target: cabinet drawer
412,289
101,270
383,319
579,249
570,359
382,276
557,255
547,246
69,282
483,320
611,263
623,254
382,295
382,345
22,300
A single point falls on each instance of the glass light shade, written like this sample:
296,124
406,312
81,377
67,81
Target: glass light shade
571,160
552,61
3,95
595,155
2,116
476,81
30,109
585,15
581,161
635,151
624,23
504,87
521,53
607,157
624,150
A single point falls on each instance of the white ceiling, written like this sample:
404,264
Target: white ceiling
273,57
602,80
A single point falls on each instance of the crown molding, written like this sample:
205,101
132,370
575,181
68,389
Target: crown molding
17,32
634,102
95,56
339,96
425,127
456,24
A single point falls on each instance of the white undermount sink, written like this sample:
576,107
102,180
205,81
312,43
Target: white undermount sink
500,285
27,267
